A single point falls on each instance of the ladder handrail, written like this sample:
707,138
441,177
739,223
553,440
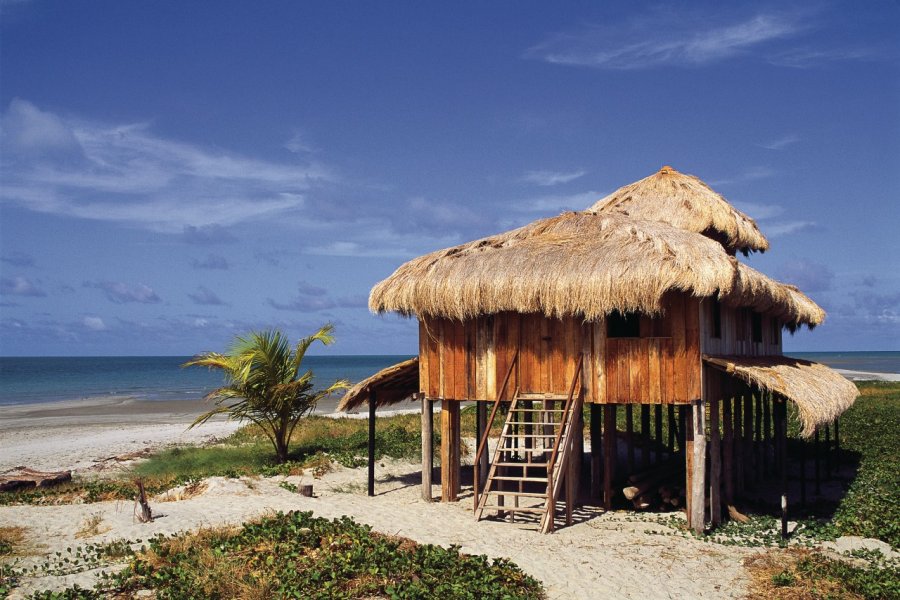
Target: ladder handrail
487,429
565,425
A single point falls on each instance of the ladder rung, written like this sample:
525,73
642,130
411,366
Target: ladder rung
524,479
519,494
530,435
534,423
521,464
541,396
539,409
531,509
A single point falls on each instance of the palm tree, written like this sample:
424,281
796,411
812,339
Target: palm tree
264,384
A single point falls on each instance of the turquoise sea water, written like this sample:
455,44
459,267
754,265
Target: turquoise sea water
35,380
28,380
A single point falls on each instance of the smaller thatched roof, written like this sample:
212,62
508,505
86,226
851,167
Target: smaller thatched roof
685,202
821,394
391,385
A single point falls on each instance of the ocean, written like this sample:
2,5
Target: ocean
29,380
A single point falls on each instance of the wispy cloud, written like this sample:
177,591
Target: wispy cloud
212,261
206,297
748,174
809,276
123,293
299,143
806,57
548,178
311,298
94,323
788,227
782,142
759,211
18,259
20,286
125,173
666,38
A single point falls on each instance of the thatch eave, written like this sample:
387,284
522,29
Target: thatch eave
820,393
392,384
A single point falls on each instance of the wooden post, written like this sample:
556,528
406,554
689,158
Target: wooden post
767,440
427,446
697,447
629,437
646,435
818,463
671,414
757,437
596,453
657,423
802,473
782,463
728,456
715,452
372,405
449,450
749,454
837,444
481,416
828,465
610,453
738,437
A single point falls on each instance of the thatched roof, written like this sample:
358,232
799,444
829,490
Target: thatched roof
392,384
585,264
685,202
820,393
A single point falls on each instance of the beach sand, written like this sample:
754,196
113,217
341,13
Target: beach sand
601,556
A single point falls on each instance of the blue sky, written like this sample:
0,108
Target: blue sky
174,173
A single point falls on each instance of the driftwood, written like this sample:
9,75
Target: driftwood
657,487
145,515
737,516
306,489
24,478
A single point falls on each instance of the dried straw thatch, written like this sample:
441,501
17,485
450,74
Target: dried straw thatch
392,384
820,393
584,264
685,202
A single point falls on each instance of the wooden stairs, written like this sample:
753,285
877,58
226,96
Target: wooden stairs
531,462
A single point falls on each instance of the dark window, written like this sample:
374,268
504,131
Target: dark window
619,325
716,319
756,326
776,331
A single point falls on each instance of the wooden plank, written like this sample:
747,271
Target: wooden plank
514,326
481,338
490,360
667,386
546,356
448,359
469,348
427,446
589,372
623,368
693,361
599,331
450,451
679,349
687,437
654,376
635,362
612,371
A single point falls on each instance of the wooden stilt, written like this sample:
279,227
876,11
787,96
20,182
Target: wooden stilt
728,454
828,465
782,463
767,440
481,421
372,404
738,436
802,473
696,448
449,450
715,454
657,424
629,437
596,453
749,455
646,435
757,438
427,446
818,463
683,424
837,444
609,453
672,428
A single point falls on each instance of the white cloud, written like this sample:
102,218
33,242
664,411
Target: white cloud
123,293
127,174
665,38
759,211
299,143
802,58
748,174
787,227
94,323
20,286
555,204
547,178
782,142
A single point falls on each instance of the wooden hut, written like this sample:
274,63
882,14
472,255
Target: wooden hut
637,303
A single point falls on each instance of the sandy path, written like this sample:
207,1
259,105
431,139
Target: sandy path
602,556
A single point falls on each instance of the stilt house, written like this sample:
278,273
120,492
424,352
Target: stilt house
636,304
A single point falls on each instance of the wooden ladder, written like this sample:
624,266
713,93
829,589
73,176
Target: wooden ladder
530,461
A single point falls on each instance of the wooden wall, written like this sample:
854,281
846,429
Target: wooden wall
736,332
469,360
